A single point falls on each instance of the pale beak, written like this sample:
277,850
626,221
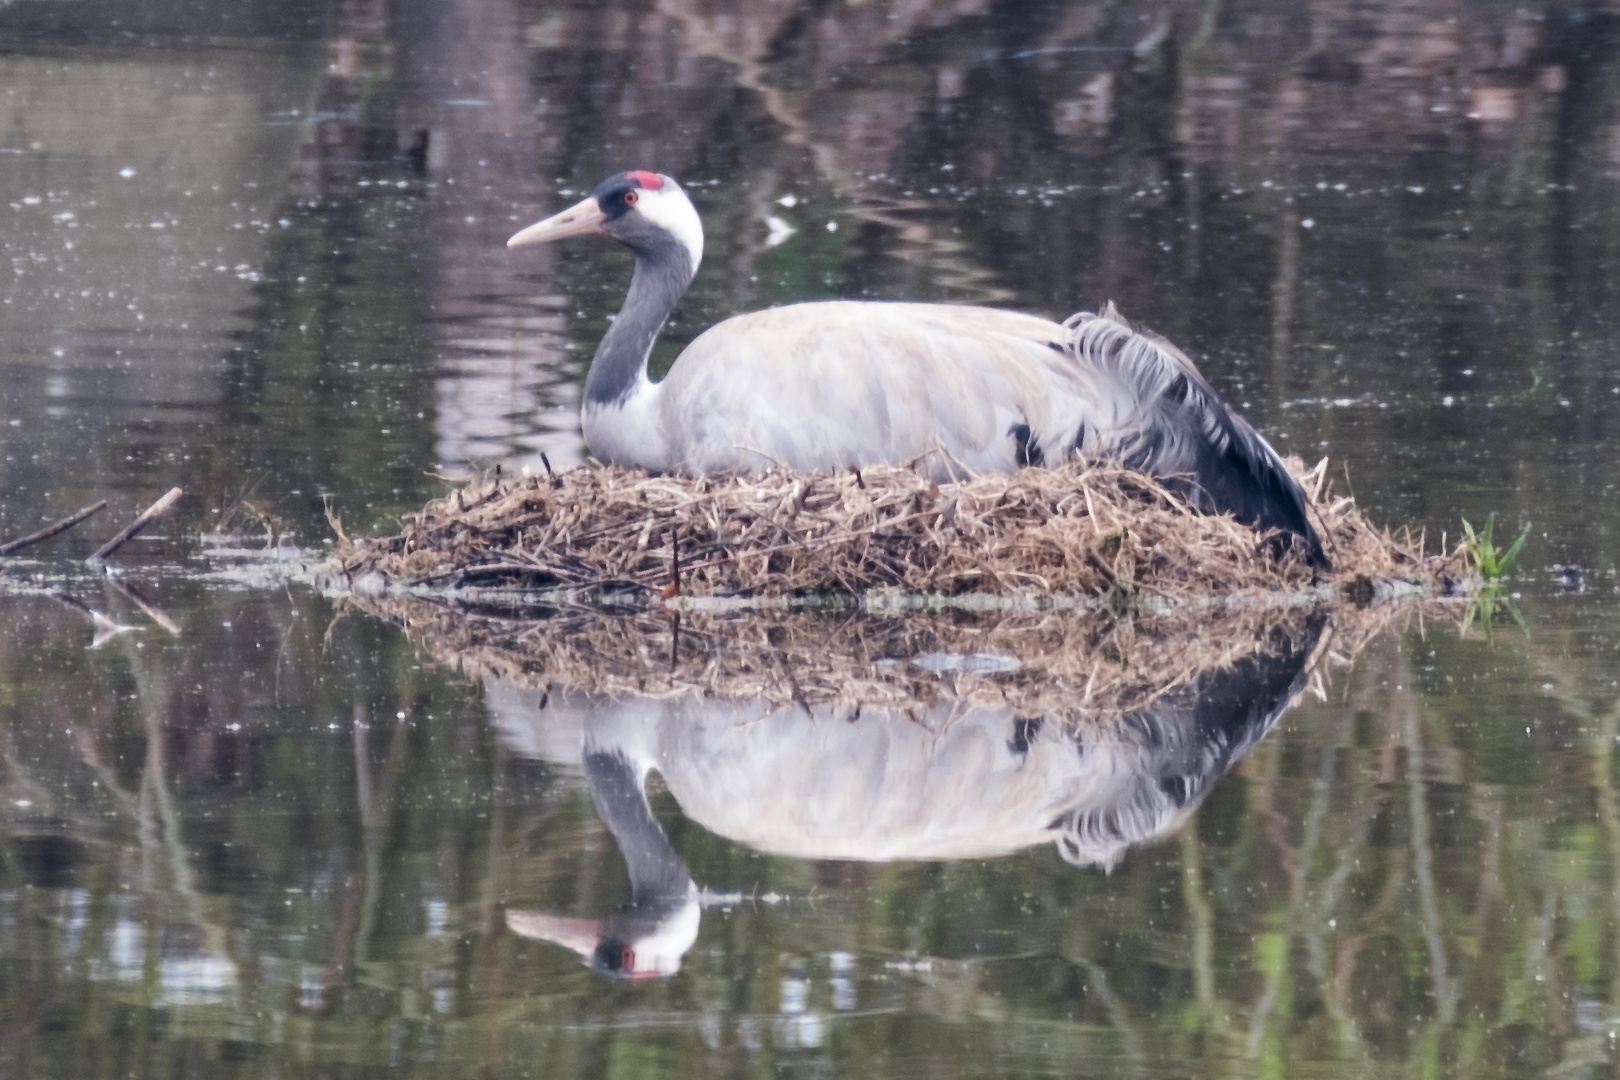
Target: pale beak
580,935
584,218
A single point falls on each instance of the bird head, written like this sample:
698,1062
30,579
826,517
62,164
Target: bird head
647,212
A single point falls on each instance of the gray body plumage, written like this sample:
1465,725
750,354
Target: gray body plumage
953,389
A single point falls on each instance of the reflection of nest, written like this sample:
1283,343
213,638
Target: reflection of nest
1089,529
1062,665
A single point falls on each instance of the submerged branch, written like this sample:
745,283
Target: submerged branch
51,530
127,534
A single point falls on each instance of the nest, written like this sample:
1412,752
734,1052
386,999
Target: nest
1087,529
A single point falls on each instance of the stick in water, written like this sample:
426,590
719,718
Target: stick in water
149,609
51,530
156,509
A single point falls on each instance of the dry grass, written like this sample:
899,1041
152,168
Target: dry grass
1088,529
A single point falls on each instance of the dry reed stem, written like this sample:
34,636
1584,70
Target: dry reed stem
1091,529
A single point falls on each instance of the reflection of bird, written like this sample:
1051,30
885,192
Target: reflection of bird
950,779
824,385
946,781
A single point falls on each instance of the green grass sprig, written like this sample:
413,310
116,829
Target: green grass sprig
1491,562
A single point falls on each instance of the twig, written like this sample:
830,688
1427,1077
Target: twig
106,628
484,570
149,609
156,509
51,530
675,558
811,545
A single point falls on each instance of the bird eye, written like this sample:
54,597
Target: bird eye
630,197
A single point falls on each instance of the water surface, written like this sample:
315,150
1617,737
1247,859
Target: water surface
256,250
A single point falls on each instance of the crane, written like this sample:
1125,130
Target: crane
951,388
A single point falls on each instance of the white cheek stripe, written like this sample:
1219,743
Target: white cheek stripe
670,208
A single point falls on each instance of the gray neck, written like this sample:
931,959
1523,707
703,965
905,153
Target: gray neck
663,271
658,876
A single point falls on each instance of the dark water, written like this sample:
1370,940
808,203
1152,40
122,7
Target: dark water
255,250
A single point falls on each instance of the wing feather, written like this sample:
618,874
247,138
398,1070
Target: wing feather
1170,423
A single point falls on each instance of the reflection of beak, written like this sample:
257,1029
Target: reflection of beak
584,218
106,629
580,935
